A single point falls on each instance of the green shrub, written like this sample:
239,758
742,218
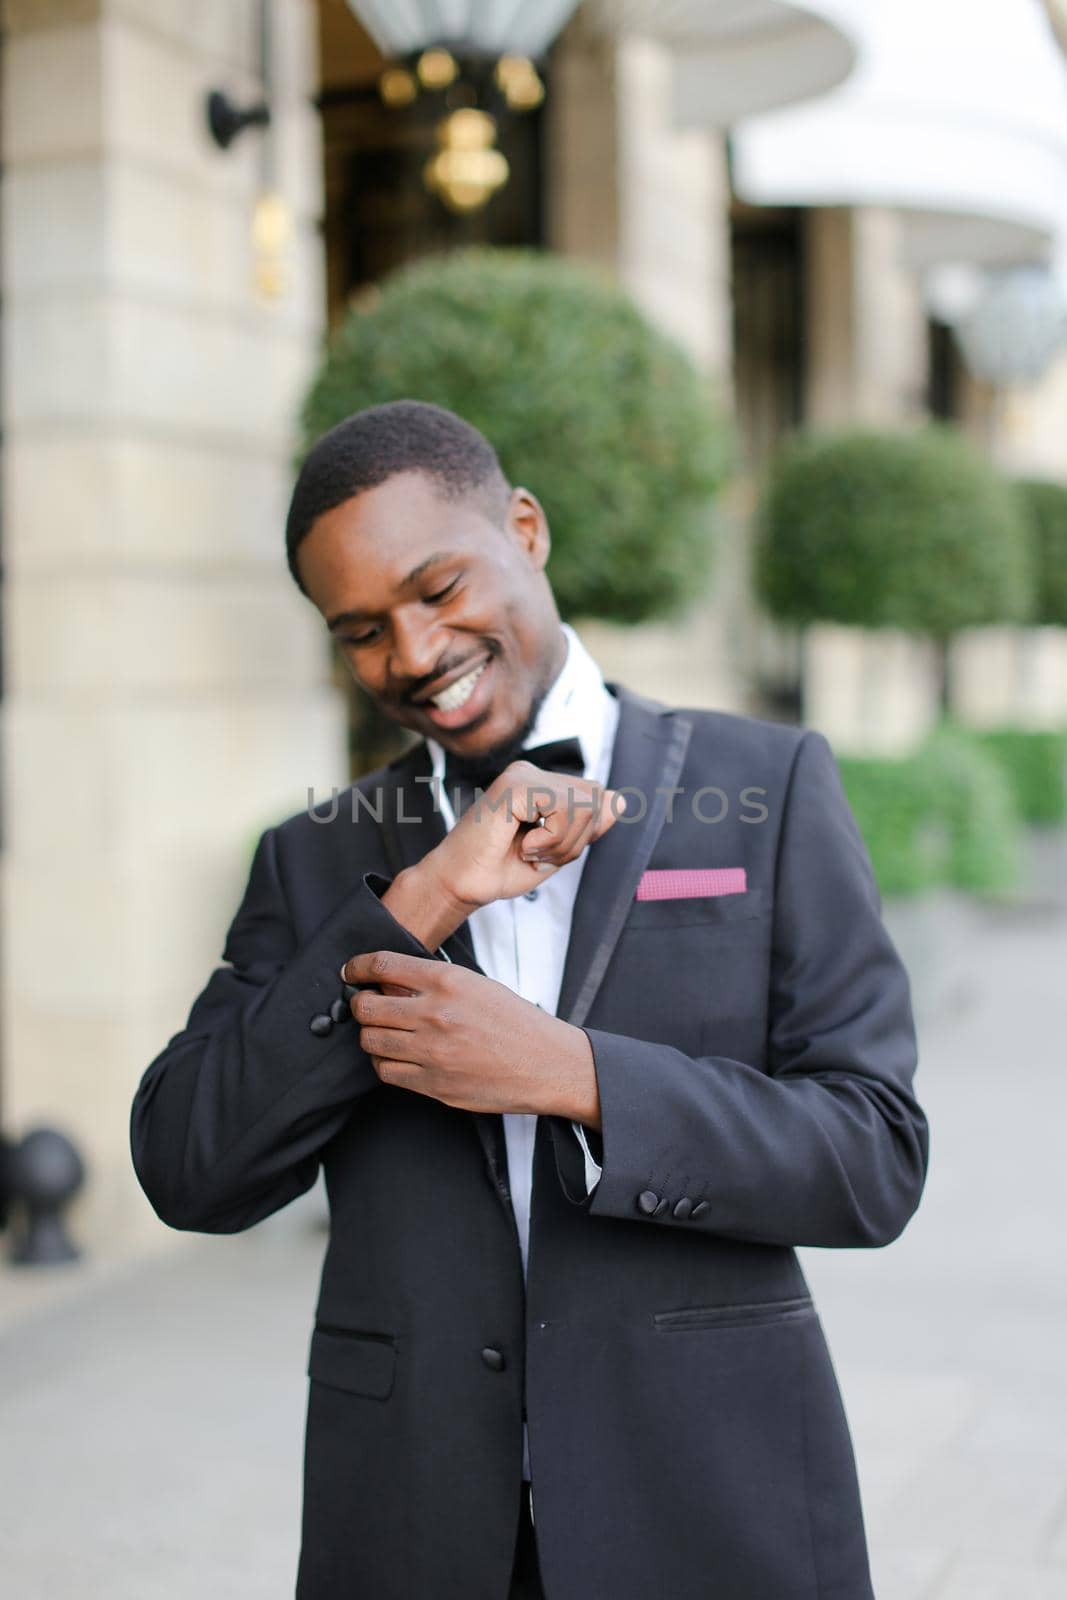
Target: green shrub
892,530
1045,505
605,419
1035,765
981,821
893,803
944,816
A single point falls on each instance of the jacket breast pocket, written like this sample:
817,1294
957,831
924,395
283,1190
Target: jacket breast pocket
706,911
359,1363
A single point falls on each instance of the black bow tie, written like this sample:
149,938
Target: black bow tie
558,755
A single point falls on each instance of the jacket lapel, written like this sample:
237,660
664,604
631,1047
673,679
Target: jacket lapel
650,746
411,827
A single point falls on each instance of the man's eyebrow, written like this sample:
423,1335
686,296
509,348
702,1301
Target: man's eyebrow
343,618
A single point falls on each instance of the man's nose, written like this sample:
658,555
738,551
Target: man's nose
418,646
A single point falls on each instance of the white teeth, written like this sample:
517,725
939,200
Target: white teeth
458,693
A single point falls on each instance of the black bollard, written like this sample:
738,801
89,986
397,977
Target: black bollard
44,1172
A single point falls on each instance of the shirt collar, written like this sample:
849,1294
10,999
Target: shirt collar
573,706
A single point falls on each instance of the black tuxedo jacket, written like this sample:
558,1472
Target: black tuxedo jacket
754,1054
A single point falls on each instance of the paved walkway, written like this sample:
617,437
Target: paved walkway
150,1427
950,1344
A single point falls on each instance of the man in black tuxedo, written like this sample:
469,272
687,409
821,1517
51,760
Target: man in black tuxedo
583,1058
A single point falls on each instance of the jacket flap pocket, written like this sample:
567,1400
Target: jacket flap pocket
361,1363
798,1309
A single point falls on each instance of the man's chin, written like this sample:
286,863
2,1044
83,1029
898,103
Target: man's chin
479,748
509,749
474,754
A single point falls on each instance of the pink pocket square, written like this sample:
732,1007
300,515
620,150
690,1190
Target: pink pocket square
690,883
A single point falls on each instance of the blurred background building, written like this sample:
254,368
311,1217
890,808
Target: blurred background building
846,212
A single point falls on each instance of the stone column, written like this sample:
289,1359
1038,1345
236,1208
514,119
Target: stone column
1014,676
866,328
869,690
167,690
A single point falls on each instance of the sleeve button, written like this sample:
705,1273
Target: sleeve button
699,1210
683,1208
647,1201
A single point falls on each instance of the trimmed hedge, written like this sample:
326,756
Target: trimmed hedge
945,816
982,822
1035,765
1045,505
892,530
603,417
892,802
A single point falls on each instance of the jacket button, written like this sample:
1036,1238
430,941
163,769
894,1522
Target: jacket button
339,1011
320,1025
494,1358
683,1208
699,1210
647,1201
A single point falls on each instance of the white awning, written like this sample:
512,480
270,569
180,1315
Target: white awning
734,58
956,115
495,27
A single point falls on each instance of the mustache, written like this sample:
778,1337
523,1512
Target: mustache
407,698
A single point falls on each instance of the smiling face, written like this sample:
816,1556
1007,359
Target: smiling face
444,616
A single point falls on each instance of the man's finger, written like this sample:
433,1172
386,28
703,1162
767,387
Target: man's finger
390,966
613,806
402,1074
533,800
381,1011
567,834
389,1043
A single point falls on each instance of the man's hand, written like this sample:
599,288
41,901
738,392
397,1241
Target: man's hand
468,1041
498,849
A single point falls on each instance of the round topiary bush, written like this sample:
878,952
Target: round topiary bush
602,417
1045,506
892,530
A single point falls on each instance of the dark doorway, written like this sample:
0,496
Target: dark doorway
379,212
768,275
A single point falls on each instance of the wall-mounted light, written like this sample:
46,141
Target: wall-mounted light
226,119
272,233
272,222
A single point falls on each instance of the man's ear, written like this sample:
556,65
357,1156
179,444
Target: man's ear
526,520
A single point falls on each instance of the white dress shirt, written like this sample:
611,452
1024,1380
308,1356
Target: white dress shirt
522,942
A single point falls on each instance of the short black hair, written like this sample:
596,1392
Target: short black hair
373,445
